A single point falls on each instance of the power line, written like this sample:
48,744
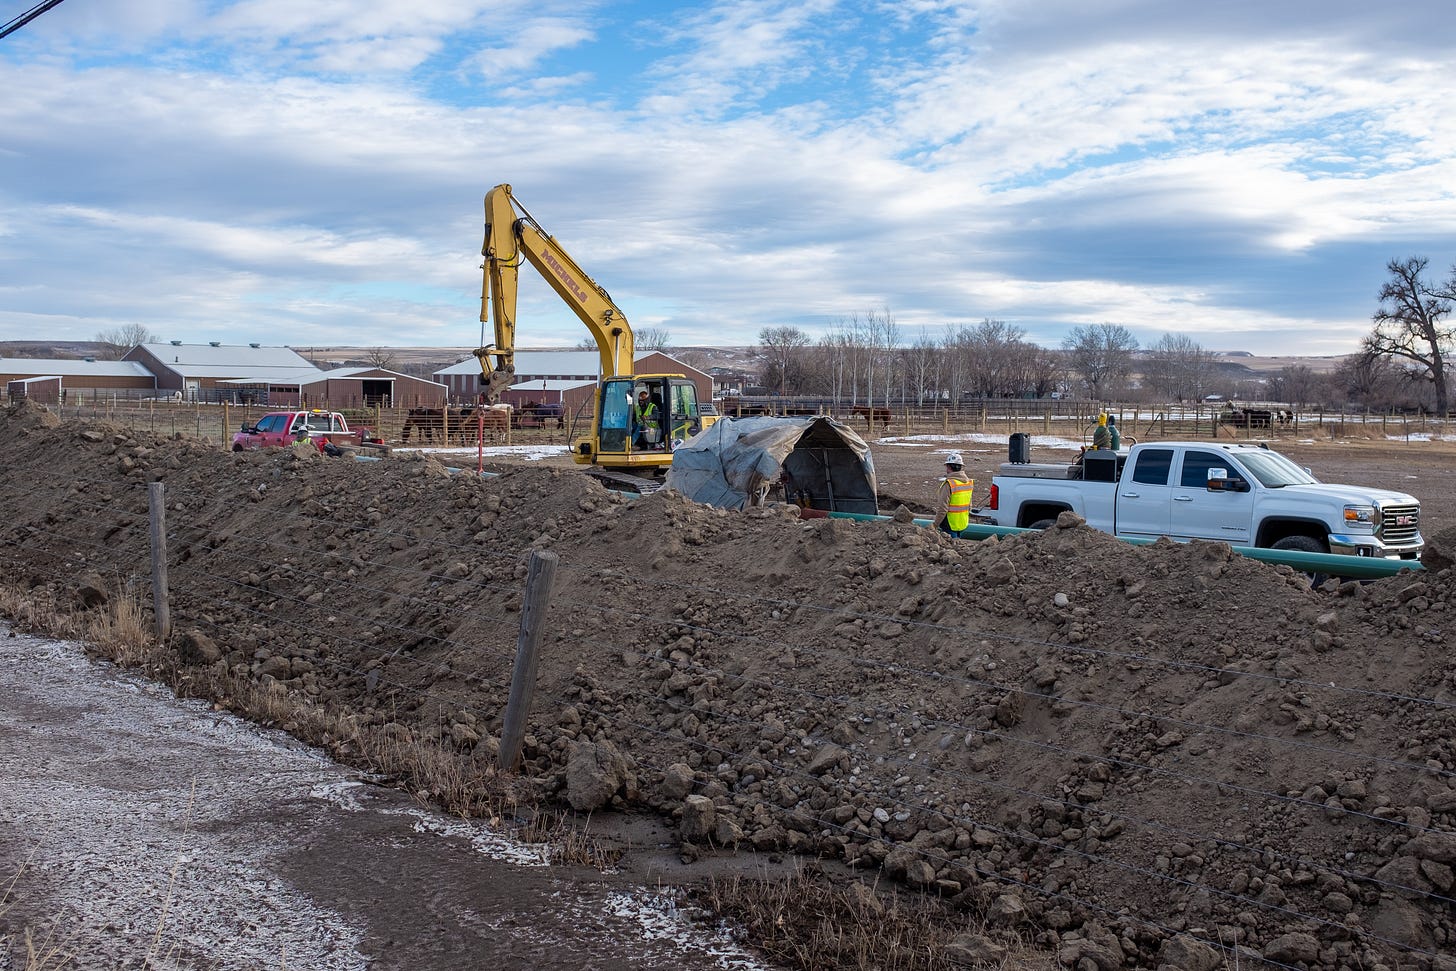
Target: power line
12,26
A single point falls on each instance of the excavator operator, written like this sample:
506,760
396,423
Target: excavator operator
646,422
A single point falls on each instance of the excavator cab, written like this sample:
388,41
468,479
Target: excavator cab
641,419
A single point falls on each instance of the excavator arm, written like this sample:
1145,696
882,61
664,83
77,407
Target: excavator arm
510,234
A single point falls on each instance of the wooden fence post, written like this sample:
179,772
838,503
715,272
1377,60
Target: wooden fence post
161,606
539,574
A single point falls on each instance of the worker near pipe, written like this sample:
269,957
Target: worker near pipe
955,496
1101,437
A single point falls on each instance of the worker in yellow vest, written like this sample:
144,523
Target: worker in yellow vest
955,496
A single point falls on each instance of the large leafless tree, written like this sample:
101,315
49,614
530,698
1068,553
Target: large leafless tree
1178,367
781,349
116,341
1412,323
1102,354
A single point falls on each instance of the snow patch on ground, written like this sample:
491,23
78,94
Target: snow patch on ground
531,453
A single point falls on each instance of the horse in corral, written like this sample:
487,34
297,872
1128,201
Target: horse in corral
428,421
479,422
425,421
872,417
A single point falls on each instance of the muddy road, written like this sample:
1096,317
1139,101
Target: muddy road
143,831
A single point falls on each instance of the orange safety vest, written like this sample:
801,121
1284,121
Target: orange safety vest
958,508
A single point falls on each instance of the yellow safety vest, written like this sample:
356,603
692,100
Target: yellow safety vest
958,508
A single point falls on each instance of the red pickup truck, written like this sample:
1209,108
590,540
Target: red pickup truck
280,428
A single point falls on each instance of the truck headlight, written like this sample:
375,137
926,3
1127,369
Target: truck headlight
1360,519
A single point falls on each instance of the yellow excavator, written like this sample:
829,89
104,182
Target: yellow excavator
637,419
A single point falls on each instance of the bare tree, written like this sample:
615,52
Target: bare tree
122,338
1296,384
1178,367
1411,323
1372,381
650,338
1102,354
922,367
781,350
380,357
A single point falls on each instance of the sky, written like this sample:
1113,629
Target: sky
312,174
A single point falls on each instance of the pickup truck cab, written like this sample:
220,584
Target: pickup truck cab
281,428
1241,494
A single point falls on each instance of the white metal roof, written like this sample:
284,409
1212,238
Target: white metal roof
317,377
62,368
551,384
227,360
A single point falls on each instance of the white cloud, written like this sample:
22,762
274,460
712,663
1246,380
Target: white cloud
728,166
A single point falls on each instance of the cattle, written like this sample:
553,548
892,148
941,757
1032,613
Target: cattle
1247,417
872,417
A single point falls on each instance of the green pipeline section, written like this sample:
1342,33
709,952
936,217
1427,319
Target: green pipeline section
1330,564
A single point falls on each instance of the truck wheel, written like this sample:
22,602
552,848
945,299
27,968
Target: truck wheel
237,448
1304,544
1300,544
1043,524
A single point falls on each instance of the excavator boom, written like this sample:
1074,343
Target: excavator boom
637,419
510,234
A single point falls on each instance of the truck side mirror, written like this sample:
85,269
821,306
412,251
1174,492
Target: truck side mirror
1219,481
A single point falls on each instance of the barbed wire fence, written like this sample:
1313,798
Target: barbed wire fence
884,752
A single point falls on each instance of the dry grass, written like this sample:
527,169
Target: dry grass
806,921
463,784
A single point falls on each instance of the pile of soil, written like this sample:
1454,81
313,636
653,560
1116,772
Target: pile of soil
1135,756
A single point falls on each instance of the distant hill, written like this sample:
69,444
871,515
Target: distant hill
55,350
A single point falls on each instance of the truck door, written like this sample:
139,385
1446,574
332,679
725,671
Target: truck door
1225,515
1144,495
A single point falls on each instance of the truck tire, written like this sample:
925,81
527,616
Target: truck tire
1300,544
1304,544
1043,524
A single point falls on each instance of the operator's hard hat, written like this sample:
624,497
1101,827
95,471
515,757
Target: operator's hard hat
954,458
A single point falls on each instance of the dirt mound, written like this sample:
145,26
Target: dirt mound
1133,755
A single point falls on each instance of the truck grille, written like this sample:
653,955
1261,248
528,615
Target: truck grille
1400,524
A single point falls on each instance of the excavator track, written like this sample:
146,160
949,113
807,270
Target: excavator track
613,479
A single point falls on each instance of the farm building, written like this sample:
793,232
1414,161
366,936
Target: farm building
196,369
76,379
355,387
464,379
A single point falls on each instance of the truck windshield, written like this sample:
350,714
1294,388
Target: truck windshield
1274,470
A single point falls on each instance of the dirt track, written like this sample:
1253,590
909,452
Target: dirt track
1131,755
160,833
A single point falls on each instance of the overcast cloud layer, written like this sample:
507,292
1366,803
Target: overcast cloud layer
312,173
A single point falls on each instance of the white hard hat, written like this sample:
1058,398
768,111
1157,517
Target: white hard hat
954,458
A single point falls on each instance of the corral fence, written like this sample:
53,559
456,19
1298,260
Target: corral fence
1068,419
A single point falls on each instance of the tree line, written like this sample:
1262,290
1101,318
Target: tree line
869,358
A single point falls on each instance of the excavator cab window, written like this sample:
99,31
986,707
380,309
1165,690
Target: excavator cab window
616,411
684,420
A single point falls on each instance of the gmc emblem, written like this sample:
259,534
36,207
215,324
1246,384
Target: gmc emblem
1405,520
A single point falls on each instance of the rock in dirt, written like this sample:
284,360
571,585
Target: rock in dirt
698,816
595,772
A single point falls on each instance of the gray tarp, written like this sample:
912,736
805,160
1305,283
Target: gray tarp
819,461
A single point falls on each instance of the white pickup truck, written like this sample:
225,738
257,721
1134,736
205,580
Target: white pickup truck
1244,495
